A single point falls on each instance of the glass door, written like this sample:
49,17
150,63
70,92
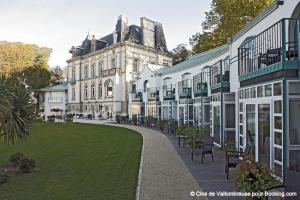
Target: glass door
264,134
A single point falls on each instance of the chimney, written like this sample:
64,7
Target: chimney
148,32
122,28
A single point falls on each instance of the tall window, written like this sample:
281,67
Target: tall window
93,72
135,66
86,70
100,68
73,93
113,63
93,91
85,92
109,88
73,73
146,85
100,91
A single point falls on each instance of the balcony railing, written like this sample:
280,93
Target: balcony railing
72,80
273,50
137,97
109,72
55,100
169,92
200,83
153,94
219,75
185,88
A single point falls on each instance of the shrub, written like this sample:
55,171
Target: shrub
118,119
134,119
69,119
254,176
16,158
26,165
146,121
51,118
3,177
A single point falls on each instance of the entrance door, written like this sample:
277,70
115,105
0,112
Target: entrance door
264,134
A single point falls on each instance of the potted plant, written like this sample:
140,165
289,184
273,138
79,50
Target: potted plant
254,176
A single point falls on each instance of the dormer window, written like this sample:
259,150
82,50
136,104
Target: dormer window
93,47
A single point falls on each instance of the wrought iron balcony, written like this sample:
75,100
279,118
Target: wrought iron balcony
219,76
273,50
185,88
200,84
137,96
72,80
169,92
153,94
109,72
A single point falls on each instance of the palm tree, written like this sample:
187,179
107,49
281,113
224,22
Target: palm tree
16,111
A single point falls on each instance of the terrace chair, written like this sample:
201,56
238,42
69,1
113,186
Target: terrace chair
207,148
233,158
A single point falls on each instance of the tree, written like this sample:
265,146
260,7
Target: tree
16,111
16,56
181,53
57,75
224,20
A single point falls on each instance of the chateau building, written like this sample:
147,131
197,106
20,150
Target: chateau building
101,69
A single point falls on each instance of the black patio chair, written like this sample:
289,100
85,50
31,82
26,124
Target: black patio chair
233,158
207,148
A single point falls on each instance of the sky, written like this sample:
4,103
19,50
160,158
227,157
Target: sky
60,24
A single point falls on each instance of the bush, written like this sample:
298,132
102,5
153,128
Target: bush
26,165
16,158
3,177
22,163
134,119
69,119
118,119
254,176
51,118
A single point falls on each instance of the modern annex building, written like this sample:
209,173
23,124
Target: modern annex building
247,91
101,68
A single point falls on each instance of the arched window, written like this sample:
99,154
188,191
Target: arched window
146,85
86,71
100,91
93,72
109,88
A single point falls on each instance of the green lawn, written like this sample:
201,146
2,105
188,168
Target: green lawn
76,161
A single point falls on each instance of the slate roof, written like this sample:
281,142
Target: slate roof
195,60
56,88
132,33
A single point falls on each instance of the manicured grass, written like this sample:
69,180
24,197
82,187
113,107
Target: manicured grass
76,161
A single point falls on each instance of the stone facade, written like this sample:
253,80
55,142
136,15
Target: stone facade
101,69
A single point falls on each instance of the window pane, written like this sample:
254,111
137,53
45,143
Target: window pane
241,141
241,107
260,91
278,169
294,125
278,154
278,138
277,89
250,126
268,90
241,130
241,118
294,88
253,92
278,122
230,115
294,160
277,107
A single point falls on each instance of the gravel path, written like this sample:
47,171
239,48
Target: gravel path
164,175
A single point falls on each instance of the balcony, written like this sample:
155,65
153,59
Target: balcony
55,100
72,80
110,72
137,96
185,89
219,76
271,54
153,94
200,84
169,92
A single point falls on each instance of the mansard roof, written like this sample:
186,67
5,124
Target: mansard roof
122,32
56,88
195,60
